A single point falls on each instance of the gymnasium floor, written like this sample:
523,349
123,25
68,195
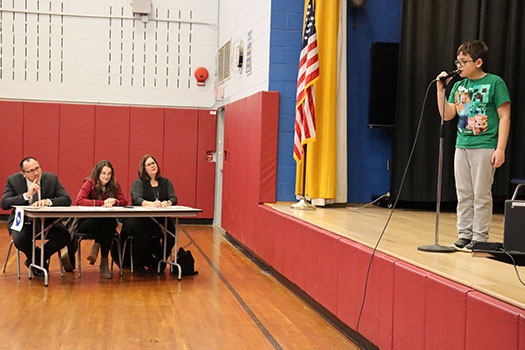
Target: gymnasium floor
230,304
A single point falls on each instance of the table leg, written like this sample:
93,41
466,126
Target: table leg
42,237
172,263
33,249
179,268
33,263
164,244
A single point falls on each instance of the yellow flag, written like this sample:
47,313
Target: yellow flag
321,167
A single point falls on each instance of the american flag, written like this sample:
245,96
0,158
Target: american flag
308,73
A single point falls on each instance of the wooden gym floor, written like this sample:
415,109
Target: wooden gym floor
230,304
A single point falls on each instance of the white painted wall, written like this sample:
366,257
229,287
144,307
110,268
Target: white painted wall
49,53
236,19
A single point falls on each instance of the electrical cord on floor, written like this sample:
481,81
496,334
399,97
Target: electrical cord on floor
373,202
514,263
395,203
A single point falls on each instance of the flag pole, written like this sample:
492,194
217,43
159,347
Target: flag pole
303,203
305,99
304,170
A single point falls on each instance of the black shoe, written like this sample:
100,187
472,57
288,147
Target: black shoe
470,245
36,272
139,269
460,243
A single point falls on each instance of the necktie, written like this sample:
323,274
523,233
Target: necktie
34,198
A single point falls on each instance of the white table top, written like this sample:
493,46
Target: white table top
91,212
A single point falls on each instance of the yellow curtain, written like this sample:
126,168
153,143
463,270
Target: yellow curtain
321,166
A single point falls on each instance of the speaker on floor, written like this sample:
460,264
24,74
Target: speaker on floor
514,226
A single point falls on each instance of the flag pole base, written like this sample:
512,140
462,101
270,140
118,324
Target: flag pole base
303,205
436,248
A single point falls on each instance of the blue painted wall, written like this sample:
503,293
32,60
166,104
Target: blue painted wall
285,47
369,149
379,21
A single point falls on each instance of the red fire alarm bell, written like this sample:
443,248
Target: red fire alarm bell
210,156
201,74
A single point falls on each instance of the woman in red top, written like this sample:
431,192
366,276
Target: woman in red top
100,189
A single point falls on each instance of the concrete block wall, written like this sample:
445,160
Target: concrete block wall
285,47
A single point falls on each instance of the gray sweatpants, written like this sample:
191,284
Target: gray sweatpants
474,175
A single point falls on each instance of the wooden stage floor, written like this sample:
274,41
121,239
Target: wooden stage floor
230,304
409,229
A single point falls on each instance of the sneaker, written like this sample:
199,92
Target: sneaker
470,245
461,243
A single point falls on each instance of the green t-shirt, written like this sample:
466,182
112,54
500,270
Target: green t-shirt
476,103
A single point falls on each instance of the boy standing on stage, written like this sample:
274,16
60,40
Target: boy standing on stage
483,104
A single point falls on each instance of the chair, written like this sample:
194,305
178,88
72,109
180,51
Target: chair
519,183
130,240
83,236
18,260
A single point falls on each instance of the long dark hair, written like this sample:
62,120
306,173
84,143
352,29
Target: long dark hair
143,174
111,187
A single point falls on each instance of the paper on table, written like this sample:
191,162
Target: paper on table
98,208
176,207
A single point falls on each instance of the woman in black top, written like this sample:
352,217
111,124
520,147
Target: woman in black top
150,189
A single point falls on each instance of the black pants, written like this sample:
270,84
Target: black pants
57,238
102,228
147,240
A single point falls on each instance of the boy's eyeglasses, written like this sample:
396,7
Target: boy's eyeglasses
462,63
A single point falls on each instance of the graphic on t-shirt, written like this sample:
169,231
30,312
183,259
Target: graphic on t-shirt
471,106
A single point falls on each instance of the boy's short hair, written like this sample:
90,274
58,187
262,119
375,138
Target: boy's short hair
475,48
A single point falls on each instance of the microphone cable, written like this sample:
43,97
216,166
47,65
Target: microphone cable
514,263
395,203
370,203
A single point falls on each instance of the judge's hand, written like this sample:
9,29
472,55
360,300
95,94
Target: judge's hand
110,202
41,203
34,188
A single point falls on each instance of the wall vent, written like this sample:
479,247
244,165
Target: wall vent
223,64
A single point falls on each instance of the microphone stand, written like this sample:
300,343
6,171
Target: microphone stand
436,247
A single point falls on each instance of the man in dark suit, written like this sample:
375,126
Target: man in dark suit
34,187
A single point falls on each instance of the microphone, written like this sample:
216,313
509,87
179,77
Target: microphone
450,75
